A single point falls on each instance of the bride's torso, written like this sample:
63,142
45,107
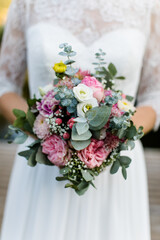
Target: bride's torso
120,28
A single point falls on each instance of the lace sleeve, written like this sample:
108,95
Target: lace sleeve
149,89
13,56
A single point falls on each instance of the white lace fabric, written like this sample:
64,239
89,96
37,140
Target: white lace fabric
88,20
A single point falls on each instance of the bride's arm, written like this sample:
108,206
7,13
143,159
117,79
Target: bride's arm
8,102
145,116
148,111
13,61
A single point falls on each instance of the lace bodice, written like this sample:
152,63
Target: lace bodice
87,21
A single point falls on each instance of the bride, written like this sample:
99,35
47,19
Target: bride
38,207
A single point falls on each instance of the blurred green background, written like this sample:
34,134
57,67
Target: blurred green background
150,140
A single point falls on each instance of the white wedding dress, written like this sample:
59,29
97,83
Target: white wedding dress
38,207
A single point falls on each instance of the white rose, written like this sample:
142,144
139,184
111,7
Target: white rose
44,90
82,92
125,105
83,107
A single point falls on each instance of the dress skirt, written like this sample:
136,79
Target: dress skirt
39,208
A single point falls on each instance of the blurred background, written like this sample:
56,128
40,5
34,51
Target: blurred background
151,143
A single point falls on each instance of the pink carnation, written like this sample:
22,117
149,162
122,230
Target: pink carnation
47,104
116,112
41,128
94,155
57,150
111,141
96,86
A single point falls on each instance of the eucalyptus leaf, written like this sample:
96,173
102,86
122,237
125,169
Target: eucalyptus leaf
79,145
42,158
80,120
76,137
26,154
61,178
86,175
70,185
82,128
124,172
124,160
64,170
67,62
62,45
131,132
98,117
20,138
82,188
63,54
115,167
31,161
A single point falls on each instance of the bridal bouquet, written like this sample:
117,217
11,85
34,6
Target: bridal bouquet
80,123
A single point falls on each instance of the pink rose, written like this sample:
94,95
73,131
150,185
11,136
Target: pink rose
94,155
96,86
57,150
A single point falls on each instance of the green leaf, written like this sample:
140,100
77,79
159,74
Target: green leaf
19,113
124,160
82,128
64,170
42,158
67,62
61,178
70,185
96,134
13,128
115,167
80,120
26,154
129,98
31,118
31,161
124,172
87,176
79,145
121,133
112,69
36,142
21,138
82,188
130,144
120,78
19,122
27,127
32,102
98,117
76,137
131,132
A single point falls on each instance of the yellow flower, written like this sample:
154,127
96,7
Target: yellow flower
59,67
